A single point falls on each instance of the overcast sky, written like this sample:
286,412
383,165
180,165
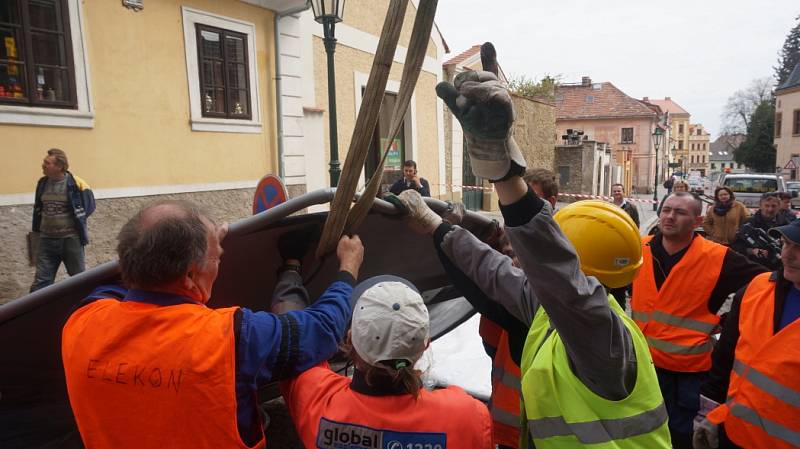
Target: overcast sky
697,52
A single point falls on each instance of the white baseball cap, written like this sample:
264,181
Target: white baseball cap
390,320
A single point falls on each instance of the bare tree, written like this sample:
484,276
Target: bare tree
743,103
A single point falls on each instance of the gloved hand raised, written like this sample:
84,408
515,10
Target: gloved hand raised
420,217
706,433
483,106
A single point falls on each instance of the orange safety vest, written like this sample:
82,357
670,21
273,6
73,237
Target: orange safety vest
763,405
150,377
504,403
675,319
328,414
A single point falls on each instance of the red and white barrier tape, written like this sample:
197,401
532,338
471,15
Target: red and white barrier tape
605,198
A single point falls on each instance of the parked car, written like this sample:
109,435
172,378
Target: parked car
794,188
696,185
748,187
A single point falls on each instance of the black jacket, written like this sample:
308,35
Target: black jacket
402,184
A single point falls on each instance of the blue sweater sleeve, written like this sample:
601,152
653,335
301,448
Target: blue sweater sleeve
274,347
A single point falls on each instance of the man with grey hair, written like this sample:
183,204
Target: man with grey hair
676,296
153,365
62,204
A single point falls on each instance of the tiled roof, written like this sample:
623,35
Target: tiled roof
597,100
725,143
793,80
463,56
668,105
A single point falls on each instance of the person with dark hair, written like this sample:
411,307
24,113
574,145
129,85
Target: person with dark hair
411,181
724,218
151,365
785,210
676,296
765,218
543,182
62,205
384,400
618,198
679,185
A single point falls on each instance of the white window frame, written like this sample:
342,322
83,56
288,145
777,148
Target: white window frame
191,17
83,116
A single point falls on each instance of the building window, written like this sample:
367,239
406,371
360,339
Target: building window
223,73
778,123
680,128
680,144
589,99
36,67
739,165
713,166
796,122
699,132
563,175
627,135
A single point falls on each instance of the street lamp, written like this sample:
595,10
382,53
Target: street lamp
328,12
658,136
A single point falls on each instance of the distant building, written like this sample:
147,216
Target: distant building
787,125
699,149
678,142
606,114
721,158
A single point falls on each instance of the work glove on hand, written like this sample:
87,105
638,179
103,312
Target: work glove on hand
295,244
420,217
483,106
706,433
454,213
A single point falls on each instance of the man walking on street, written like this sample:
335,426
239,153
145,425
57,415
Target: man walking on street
683,283
411,181
618,194
62,205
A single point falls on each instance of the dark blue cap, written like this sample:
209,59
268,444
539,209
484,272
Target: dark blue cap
791,231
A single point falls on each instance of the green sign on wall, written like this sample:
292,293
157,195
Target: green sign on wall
394,160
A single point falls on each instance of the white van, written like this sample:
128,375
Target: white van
748,187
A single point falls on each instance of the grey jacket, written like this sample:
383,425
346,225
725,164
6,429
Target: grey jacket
595,338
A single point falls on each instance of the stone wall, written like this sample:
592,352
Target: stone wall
535,131
15,222
580,164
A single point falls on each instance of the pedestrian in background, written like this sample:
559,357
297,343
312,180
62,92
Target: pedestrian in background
669,183
62,205
618,196
411,181
786,207
724,218
678,186
544,184
765,218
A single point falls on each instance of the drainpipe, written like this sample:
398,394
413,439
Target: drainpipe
278,83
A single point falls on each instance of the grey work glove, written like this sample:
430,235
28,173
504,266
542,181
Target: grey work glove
706,433
420,217
483,106
454,213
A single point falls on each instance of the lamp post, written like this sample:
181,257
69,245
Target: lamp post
328,13
658,136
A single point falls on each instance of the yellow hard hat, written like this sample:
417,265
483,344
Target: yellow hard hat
606,239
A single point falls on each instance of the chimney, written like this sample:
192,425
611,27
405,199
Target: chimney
645,99
586,81
667,98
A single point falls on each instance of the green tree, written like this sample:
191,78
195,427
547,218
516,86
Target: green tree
757,150
789,55
531,88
